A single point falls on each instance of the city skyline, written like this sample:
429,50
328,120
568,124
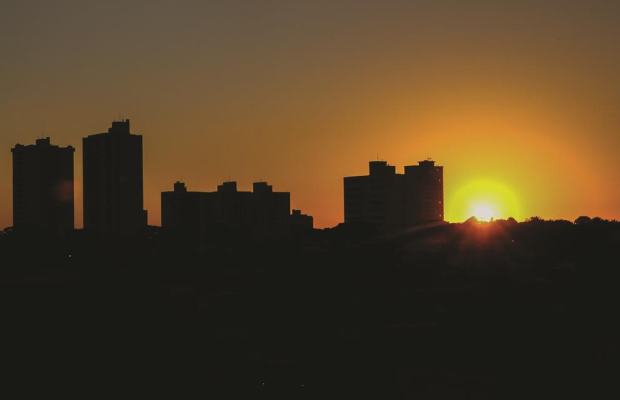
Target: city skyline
399,199
516,99
490,199
113,194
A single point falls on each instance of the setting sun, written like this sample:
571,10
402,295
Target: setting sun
483,199
483,212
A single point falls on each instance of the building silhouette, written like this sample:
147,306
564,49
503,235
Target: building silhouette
261,213
301,221
392,201
181,209
113,182
43,187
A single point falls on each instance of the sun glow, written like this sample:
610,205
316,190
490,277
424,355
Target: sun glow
483,212
484,200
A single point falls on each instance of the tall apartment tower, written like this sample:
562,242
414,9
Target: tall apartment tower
113,182
43,187
392,201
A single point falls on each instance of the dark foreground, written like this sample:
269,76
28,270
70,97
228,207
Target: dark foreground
491,311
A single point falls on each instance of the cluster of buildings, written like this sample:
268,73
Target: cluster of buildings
394,201
43,198
262,212
113,189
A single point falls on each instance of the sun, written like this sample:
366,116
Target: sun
483,212
483,199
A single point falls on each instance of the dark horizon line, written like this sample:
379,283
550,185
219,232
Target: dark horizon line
581,220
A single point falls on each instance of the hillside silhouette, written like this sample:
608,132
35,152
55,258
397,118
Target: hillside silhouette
443,311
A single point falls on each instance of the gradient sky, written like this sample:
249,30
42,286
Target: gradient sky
524,96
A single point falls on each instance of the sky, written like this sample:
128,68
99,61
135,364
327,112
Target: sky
519,101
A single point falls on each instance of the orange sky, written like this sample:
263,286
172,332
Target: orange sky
301,94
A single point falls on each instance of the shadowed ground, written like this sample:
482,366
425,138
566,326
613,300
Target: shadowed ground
464,311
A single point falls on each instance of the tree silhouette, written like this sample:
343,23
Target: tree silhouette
583,220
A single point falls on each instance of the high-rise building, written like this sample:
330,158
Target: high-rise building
43,187
113,182
392,201
270,210
181,209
